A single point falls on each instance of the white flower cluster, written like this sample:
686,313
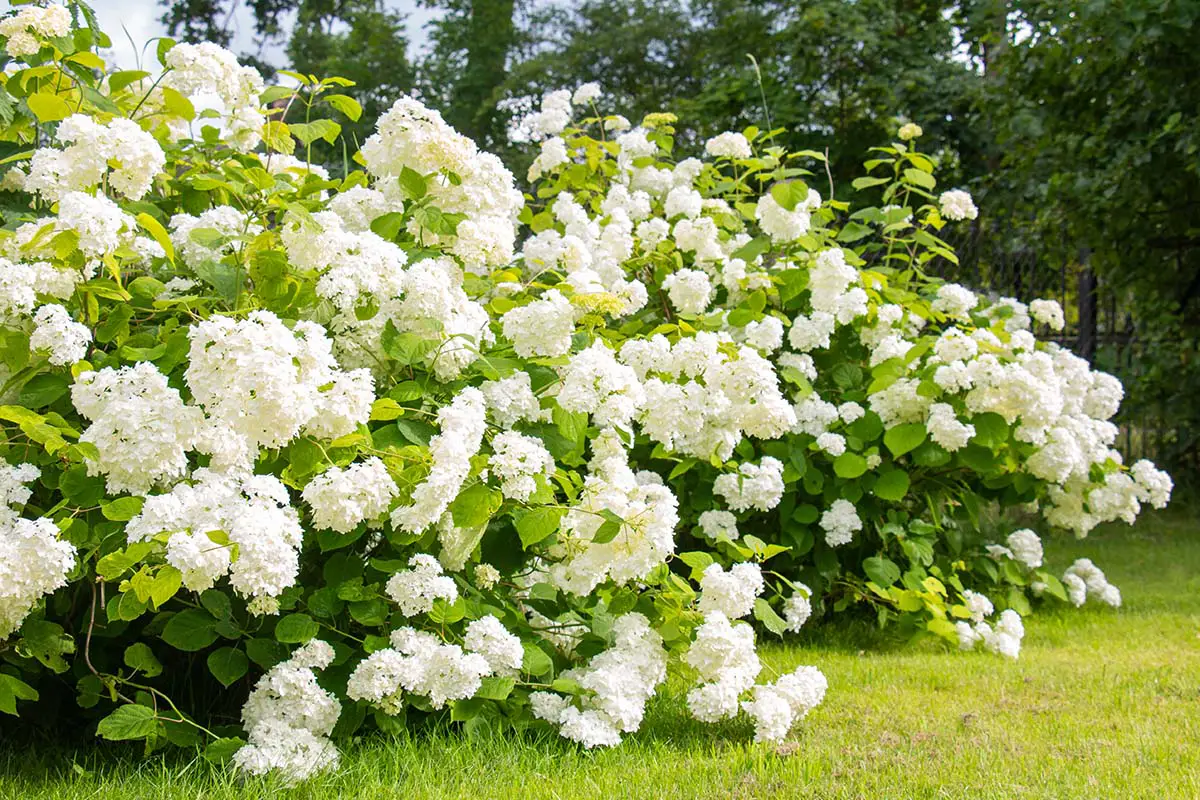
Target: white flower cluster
463,179
1083,579
798,608
728,145
957,205
341,499
420,663
700,400
715,524
208,69
733,592
261,384
777,706
206,517
618,682
840,522
517,460
34,561
416,589
1005,638
64,340
289,718
462,425
725,659
24,30
757,486
644,537
119,153
140,426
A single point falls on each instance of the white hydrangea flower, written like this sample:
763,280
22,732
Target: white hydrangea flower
777,706
34,561
501,649
140,426
715,524
1048,312
516,461
416,589
462,424
729,144
65,340
840,522
1026,547
341,499
757,486
724,657
957,205
690,291
733,592
541,328
798,608
289,717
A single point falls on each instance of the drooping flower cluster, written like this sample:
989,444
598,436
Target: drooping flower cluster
34,560
289,718
420,663
618,682
206,517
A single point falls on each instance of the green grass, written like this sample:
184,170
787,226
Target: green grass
1101,704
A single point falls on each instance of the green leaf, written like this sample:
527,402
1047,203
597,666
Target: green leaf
475,506
767,616
296,629
266,653
849,465
903,438
115,564
413,183
128,722
122,509
228,664
309,132
496,687
883,571
48,107
535,661
190,630
920,178
866,183
159,233
222,750
891,485
346,104
139,656
14,689
534,526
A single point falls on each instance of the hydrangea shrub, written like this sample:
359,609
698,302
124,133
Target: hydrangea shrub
363,442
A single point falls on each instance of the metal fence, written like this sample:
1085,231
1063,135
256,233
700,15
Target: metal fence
1001,258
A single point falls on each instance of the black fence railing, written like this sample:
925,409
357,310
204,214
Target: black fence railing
1002,259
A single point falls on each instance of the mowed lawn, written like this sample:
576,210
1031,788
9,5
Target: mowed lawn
1101,704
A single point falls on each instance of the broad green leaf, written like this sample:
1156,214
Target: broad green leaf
296,629
128,722
228,664
535,525
140,657
891,485
190,630
903,438
849,465
882,570
767,616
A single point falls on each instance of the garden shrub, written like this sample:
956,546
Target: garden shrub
405,441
